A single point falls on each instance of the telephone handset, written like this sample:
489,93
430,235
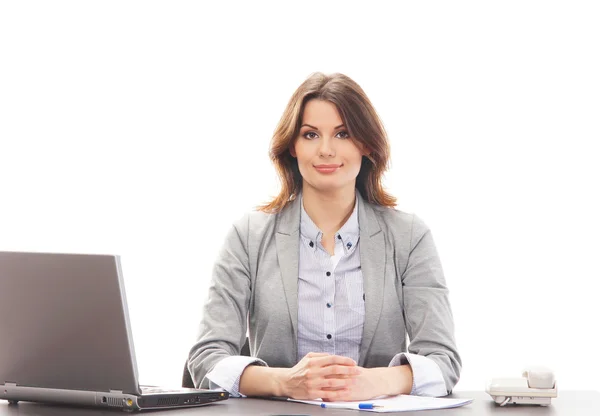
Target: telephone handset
537,386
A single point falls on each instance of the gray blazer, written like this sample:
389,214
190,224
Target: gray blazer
255,283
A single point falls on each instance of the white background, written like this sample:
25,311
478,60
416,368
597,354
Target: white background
142,129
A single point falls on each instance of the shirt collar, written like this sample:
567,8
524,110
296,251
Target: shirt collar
349,233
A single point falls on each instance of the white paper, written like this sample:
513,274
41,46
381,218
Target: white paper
400,403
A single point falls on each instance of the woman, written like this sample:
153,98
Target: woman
329,277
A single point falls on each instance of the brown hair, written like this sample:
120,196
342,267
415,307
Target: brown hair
364,126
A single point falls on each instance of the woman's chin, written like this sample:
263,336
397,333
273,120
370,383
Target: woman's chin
330,186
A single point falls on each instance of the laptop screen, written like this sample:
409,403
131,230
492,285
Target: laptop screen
64,323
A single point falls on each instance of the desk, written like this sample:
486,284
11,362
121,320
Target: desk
568,403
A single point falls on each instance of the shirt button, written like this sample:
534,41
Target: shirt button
328,273
328,336
311,244
328,305
349,245
339,237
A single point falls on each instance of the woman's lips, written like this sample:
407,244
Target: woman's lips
327,168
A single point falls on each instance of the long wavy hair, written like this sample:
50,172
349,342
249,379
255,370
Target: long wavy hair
364,126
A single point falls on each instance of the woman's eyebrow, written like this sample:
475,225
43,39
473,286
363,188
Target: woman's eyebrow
313,127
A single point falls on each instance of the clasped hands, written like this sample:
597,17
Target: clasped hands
328,377
337,378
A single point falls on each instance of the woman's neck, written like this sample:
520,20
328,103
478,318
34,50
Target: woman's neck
329,210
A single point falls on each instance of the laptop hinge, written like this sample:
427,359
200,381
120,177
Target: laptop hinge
10,384
116,391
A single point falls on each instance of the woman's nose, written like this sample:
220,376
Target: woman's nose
326,148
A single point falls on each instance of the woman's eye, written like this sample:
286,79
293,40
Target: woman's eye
343,135
310,135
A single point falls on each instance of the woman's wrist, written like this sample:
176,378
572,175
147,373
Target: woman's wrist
394,380
279,378
263,381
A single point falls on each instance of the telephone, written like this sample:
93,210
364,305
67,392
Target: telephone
537,386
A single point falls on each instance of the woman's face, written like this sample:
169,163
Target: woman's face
327,158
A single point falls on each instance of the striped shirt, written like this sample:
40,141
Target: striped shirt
331,310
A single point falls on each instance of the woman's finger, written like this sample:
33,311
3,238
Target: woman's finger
334,395
342,371
332,360
333,383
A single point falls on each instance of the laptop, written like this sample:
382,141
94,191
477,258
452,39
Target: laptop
65,336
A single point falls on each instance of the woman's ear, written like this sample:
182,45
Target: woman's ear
292,151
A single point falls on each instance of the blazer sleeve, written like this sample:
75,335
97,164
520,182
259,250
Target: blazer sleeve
427,313
223,325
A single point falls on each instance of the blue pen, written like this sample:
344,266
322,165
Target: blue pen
361,406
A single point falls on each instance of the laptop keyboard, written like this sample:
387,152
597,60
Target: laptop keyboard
152,389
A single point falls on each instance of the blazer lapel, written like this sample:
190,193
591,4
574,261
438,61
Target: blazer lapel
372,260
287,239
